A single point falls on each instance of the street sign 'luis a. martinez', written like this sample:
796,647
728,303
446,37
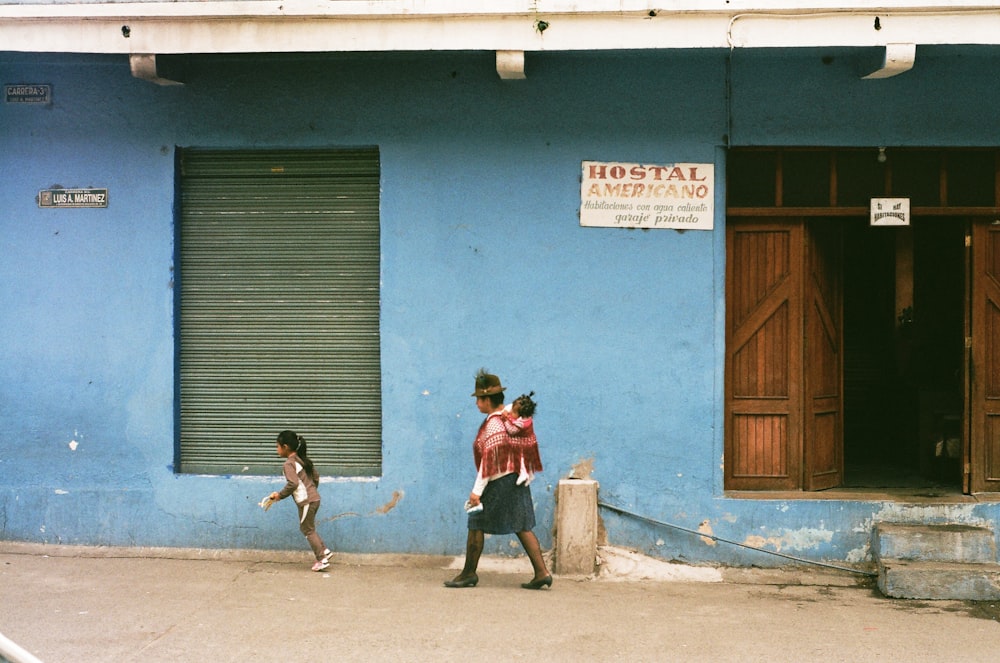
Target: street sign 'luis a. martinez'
73,198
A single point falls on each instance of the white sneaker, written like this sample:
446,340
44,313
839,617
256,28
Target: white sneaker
321,565
327,555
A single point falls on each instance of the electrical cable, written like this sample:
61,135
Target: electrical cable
734,543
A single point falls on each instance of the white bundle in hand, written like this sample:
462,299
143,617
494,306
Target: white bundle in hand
266,503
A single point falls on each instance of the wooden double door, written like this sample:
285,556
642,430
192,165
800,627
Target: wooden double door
784,374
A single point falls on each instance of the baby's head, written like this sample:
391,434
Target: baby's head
525,406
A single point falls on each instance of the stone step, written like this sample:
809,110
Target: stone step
935,543
906,579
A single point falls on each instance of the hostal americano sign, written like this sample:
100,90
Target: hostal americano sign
633,195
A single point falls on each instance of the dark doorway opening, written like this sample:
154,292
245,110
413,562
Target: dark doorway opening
904,330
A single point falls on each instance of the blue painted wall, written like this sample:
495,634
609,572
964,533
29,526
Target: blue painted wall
484,263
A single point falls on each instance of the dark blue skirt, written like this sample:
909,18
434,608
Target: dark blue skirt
507,508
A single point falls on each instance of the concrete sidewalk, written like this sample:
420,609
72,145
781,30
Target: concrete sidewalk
69,605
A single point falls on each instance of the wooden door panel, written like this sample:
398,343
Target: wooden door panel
989,366
823,359
985,383
760,446
763,357
991,465
824,461
784,421
760,362
762,254
824,439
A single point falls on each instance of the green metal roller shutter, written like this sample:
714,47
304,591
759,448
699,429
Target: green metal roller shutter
279,309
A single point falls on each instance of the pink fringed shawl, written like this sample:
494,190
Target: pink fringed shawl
506,445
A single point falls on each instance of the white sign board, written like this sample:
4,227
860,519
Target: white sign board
890,212
633,195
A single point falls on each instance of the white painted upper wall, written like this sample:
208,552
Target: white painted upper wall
521,25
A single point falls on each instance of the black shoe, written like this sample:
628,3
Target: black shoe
538,584
471,581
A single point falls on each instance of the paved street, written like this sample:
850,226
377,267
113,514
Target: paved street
80,609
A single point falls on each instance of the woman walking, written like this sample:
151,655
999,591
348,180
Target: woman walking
506,456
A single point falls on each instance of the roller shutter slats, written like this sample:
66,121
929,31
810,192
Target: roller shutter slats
279,309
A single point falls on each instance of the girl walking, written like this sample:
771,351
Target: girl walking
301,480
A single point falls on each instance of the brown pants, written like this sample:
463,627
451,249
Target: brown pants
307,525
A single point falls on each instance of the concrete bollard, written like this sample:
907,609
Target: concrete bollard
576,527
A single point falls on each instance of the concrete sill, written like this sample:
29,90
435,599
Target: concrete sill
905,495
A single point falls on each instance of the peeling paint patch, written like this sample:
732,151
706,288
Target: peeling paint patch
800,539
582,469
73,444
339,515
706,528
858,555
60,491
391,504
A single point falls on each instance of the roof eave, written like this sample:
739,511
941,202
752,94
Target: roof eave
407,25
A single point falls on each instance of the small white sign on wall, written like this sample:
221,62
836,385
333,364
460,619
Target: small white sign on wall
634,195
890,212
73,198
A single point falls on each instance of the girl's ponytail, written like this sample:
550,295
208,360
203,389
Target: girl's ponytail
307,463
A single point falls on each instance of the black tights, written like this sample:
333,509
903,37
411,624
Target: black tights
474,550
